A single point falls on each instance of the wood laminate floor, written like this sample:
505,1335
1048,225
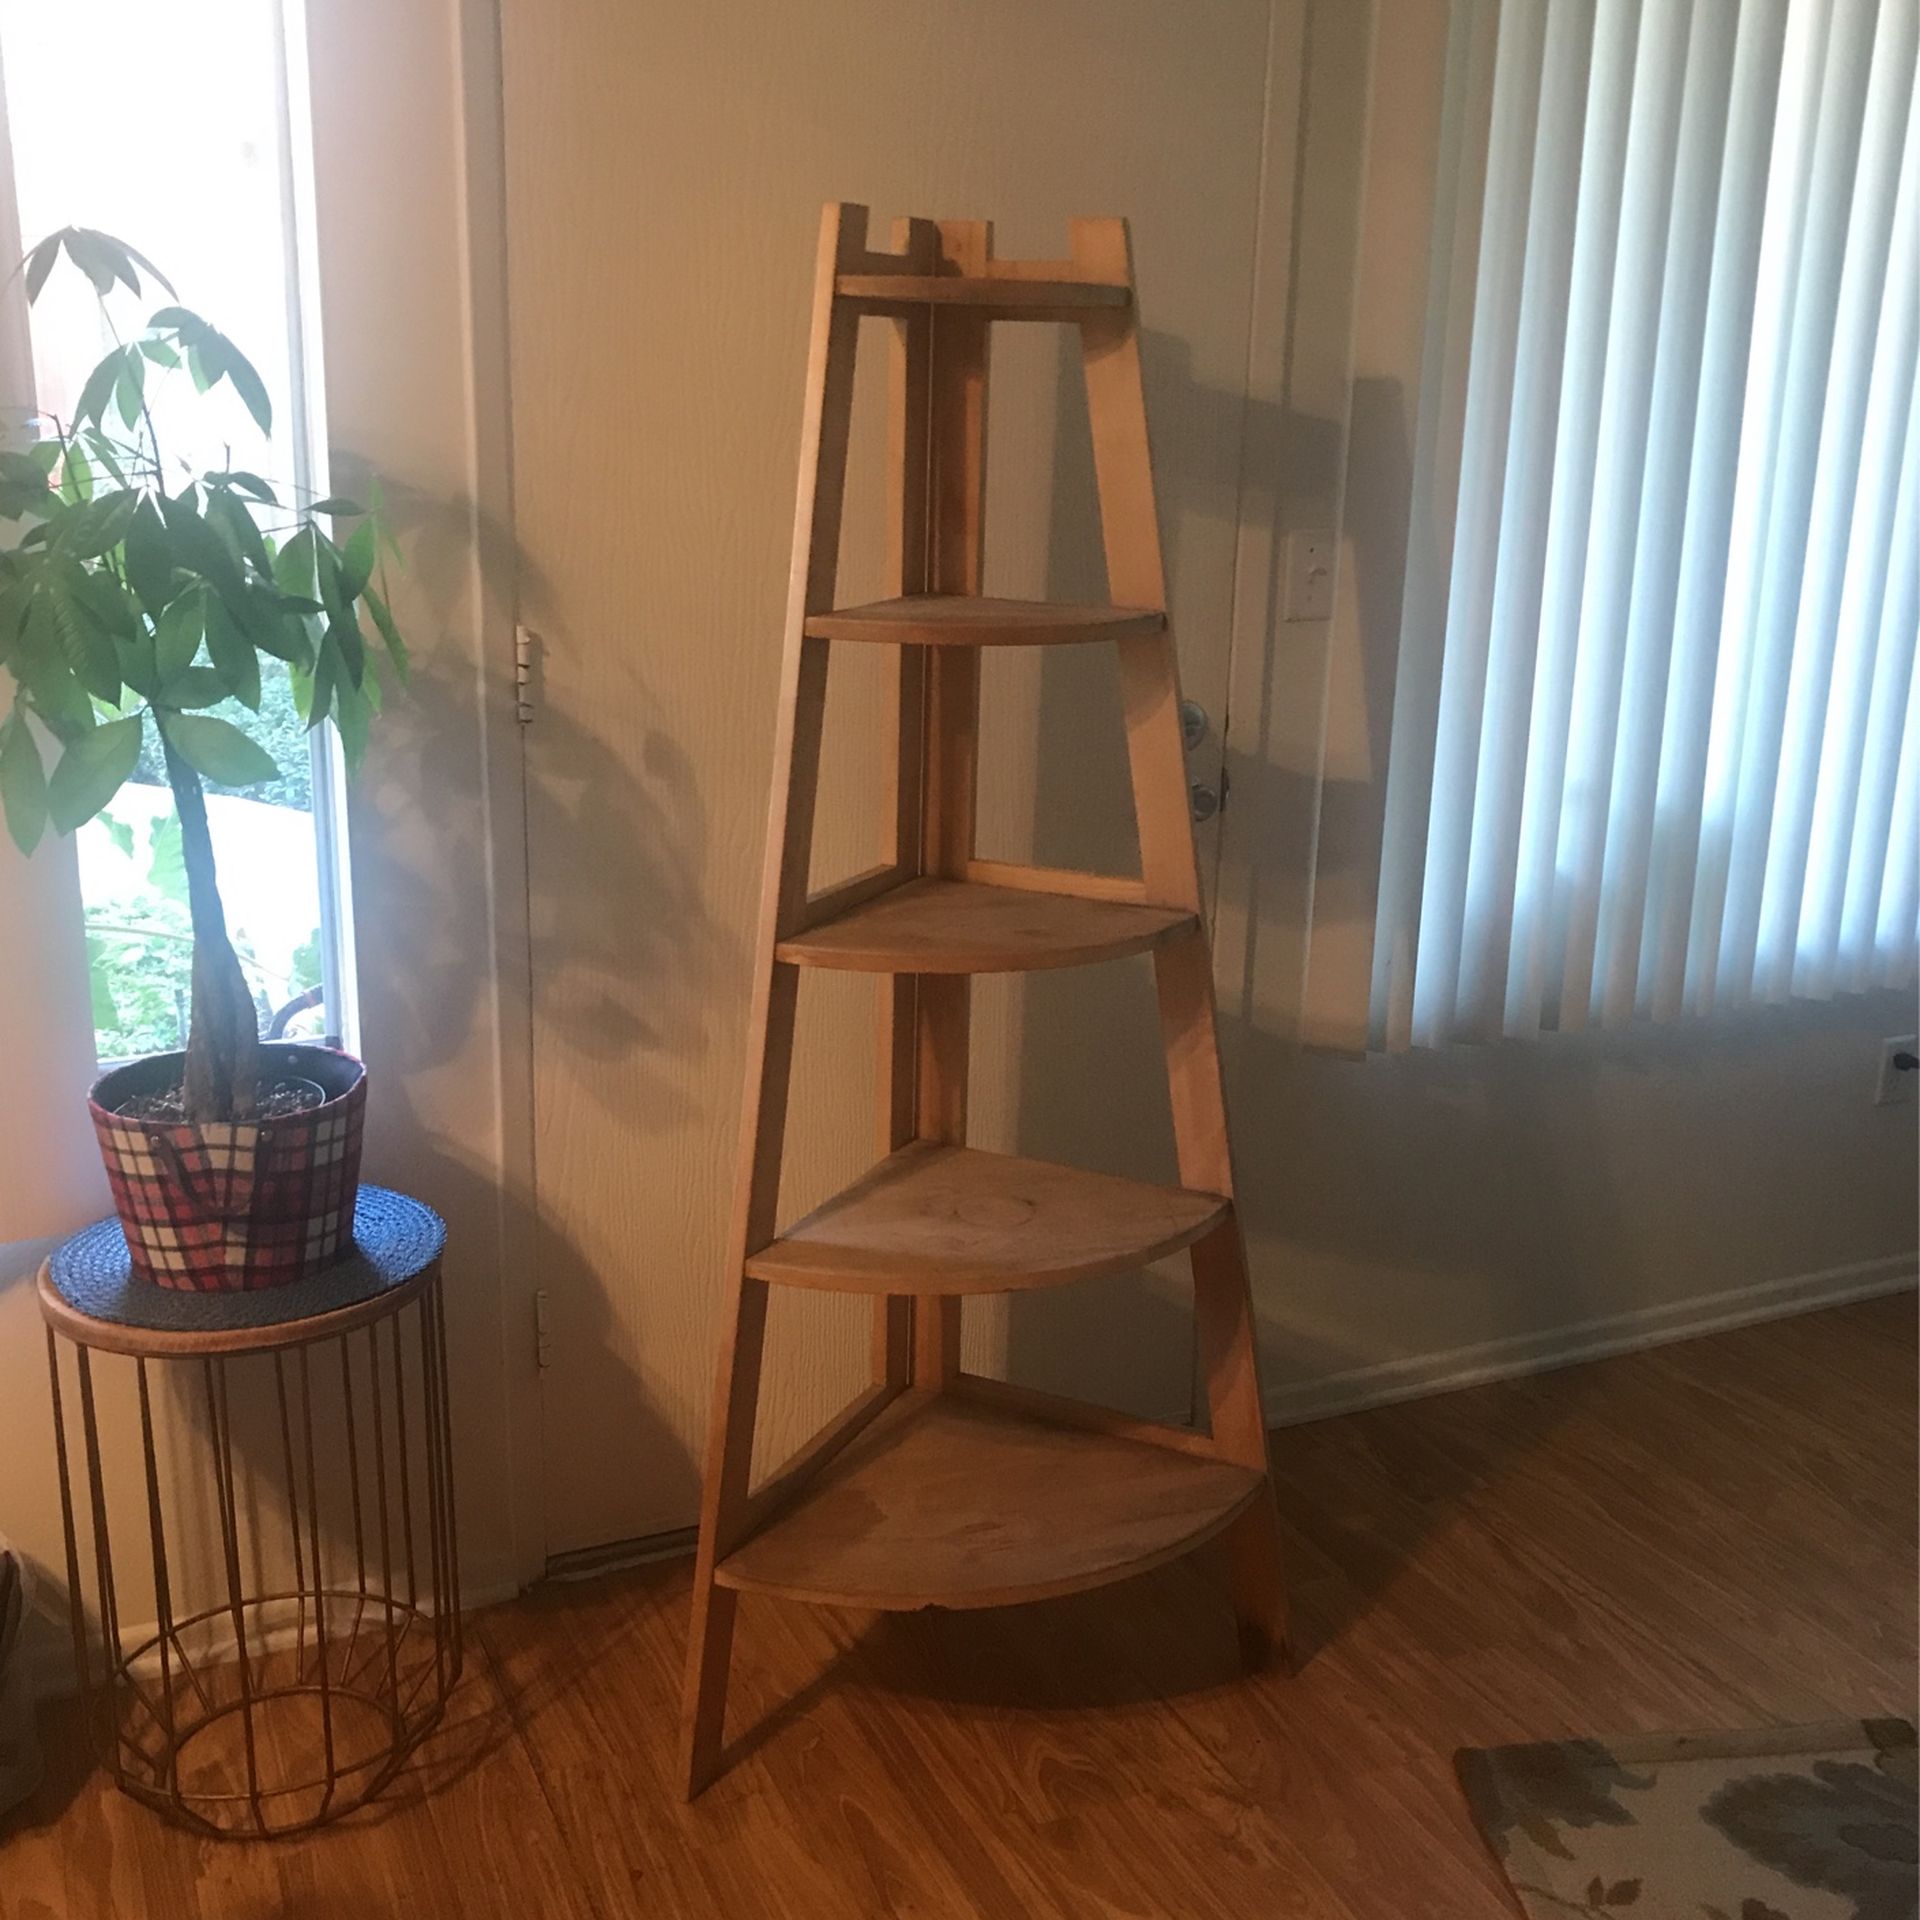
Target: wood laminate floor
1714,1534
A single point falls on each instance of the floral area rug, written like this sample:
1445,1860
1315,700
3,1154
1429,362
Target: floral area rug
1785,1823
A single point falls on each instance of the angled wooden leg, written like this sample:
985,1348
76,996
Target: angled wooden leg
1257,1584
1183,969
1250,1547
783,898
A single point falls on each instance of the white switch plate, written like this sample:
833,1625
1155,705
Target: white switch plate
1309,594
1896,1085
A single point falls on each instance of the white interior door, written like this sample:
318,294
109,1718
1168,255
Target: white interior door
665,167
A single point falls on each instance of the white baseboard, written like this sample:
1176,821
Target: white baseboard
1418,1375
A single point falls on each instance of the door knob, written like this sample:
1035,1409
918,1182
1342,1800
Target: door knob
1203,800
1193,723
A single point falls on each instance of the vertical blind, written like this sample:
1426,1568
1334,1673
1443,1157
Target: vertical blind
1655,746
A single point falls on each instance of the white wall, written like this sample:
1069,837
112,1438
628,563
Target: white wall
1424,1218
1407,1215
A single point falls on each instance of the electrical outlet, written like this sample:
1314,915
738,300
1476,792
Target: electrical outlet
1309,594
1896,1085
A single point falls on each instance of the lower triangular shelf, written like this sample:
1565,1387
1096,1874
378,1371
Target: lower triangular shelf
946,1502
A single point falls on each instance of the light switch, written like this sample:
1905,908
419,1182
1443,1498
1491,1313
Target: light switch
1309,594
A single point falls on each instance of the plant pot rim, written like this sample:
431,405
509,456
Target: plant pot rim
152,1066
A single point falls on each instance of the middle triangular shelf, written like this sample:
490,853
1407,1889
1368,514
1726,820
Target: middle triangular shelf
933,1218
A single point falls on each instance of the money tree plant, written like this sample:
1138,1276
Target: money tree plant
136,593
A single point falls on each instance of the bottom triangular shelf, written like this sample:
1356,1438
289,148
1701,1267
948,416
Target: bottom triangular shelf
945,1502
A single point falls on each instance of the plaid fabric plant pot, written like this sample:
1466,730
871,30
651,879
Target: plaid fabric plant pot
235,1205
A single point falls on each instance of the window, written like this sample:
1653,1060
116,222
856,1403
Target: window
208,181
1655,745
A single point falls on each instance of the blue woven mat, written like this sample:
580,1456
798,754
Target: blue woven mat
394,1237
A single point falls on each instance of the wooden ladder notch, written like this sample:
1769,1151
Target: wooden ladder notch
984,1492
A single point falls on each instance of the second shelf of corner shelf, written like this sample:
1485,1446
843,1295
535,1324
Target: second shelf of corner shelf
928,925
936,1219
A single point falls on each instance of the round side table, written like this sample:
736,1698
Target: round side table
293,1481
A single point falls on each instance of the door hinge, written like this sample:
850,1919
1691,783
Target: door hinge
542,1333
524,641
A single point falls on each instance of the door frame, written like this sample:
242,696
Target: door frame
409,183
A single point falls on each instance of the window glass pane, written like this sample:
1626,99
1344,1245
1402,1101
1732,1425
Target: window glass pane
196,180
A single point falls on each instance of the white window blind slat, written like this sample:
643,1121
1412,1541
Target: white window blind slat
1700,597
1888,706
1659,729
1492,846
1483,470
1432,494
1830,767
1839,468
1617,901
1810,291
1596,229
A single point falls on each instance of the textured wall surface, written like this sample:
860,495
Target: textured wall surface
666,168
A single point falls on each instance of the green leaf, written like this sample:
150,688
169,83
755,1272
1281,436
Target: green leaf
177,633
146,266
197,547
377,506
237,527
120,832
101,259
249,386
107,601
268,624
137,666
252,486
160,353
23,782
357,558
84,644
100,526
42,671
313,692
338,504
349,645
219,750
233,655
91,771
98,390
293,565
181,320
130,387
193,687
396,647
149,559
352,714
76,472
39,264
343,622
107,454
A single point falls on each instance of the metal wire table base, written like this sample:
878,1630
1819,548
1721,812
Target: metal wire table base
285,1685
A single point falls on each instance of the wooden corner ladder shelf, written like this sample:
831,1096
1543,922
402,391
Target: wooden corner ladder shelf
936,1487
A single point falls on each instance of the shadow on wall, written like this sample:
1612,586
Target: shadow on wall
1308,1131
1095,1093
607,946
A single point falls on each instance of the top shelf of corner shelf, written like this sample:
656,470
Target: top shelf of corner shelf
959,620
1000,296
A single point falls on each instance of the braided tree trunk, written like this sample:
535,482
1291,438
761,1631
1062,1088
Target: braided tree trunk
223,1035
